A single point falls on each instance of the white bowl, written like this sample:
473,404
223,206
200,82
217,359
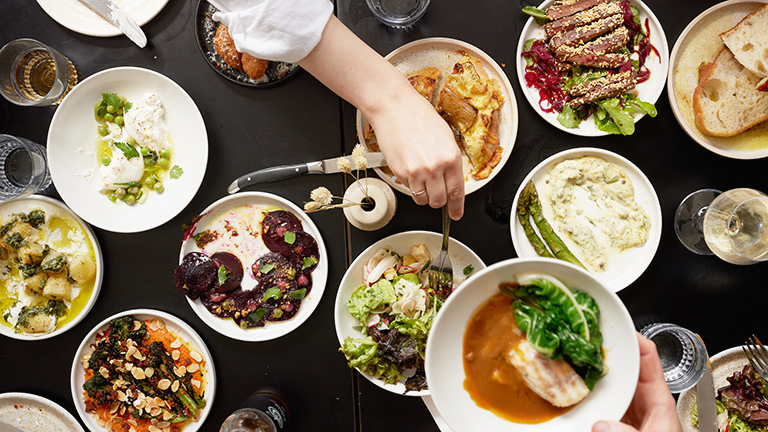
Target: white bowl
72,150
271,330
78,17
32,413
648,91
444,358
698,43
50,205
630,263
182,330
347,326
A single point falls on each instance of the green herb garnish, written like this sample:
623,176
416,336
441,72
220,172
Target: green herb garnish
309,262
289,237
128,150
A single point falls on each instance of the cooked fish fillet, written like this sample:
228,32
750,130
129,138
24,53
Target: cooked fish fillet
553,380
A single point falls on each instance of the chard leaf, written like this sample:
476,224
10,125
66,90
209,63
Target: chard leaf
128,150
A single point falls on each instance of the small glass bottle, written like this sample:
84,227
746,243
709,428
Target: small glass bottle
263,411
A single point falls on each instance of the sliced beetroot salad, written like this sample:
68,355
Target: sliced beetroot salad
283,276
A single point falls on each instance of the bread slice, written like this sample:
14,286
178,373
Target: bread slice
726,101
748,41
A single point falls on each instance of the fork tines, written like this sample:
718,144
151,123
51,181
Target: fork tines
757,355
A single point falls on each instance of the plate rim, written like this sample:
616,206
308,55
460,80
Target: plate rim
229,329
44,401
99,278
77,370
654,238
201,158
342,295
689,129
592,132
622,314
88,32
506,85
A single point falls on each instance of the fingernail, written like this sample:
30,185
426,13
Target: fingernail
601,427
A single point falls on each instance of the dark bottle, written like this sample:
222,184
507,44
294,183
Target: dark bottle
263,411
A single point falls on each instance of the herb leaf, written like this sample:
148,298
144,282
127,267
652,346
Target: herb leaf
298,294
265,268
469,269
128,150
273,293
309,262
223,274
176,172
289,237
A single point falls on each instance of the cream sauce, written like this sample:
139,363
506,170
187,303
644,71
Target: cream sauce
591,205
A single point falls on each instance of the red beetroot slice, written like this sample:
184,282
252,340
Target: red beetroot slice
195,275
274,226
234,271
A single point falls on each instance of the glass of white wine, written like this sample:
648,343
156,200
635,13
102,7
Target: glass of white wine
732,225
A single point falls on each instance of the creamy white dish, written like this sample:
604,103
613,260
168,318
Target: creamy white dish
591,203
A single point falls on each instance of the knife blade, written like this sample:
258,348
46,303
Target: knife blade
283,172
705,400
108,10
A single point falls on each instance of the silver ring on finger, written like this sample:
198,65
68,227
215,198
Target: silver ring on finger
417,193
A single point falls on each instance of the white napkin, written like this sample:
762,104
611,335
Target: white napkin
282,30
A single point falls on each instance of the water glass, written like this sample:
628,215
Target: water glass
248,420
34,74
682,353
23,168
398,13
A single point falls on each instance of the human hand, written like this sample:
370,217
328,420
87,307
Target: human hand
653,407
420,150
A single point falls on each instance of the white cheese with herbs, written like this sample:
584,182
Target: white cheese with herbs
591,205
144,122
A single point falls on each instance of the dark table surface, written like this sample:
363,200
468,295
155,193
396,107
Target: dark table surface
254,128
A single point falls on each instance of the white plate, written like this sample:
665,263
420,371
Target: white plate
698,43
176,325
443,53
444,357
724,364
347,326
72,150
648,91
52,206
271,330
629,264
32,413
76,16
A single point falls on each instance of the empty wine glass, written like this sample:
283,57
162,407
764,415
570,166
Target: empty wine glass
733,225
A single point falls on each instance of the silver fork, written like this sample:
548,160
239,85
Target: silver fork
441,271
757,356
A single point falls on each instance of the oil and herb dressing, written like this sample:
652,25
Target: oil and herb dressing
591,203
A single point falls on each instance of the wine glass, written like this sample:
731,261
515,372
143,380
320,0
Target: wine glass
732,225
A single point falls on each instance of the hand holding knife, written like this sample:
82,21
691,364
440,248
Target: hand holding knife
283,172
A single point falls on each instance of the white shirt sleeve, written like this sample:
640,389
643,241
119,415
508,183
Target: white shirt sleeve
282,30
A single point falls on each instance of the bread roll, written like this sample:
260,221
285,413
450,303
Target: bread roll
748,41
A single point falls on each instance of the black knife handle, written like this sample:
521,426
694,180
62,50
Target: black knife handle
272,174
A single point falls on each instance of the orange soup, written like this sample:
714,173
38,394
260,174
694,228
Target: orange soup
491,381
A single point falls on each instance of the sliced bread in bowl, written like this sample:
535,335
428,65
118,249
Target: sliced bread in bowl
748,41
726,102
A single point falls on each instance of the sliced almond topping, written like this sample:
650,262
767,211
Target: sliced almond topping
149,372
180,371
101,421
139,403
121,396
160,324
104,372
156,411
131,351
163,424
132,422
153,428
138,355
159,401
108,425
195,383
138,373
175,386
163,384
193,368
175,355
176,344
167,415
196,356
113,407
122,412
136,325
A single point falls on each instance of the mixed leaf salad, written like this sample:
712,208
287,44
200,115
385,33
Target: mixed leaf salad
556,78
395,308
559,322
741,405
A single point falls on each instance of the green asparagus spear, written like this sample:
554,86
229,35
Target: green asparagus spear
555,243
524,217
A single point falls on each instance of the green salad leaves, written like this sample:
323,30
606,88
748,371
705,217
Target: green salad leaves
560,323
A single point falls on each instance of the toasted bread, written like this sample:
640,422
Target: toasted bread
726,101
748,41
470,102
424,81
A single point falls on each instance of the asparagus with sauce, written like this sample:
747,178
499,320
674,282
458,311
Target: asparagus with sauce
555,243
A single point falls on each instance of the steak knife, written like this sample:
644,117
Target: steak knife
109,11
705,400
283,172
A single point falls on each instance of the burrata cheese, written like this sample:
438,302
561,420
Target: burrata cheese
144,122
